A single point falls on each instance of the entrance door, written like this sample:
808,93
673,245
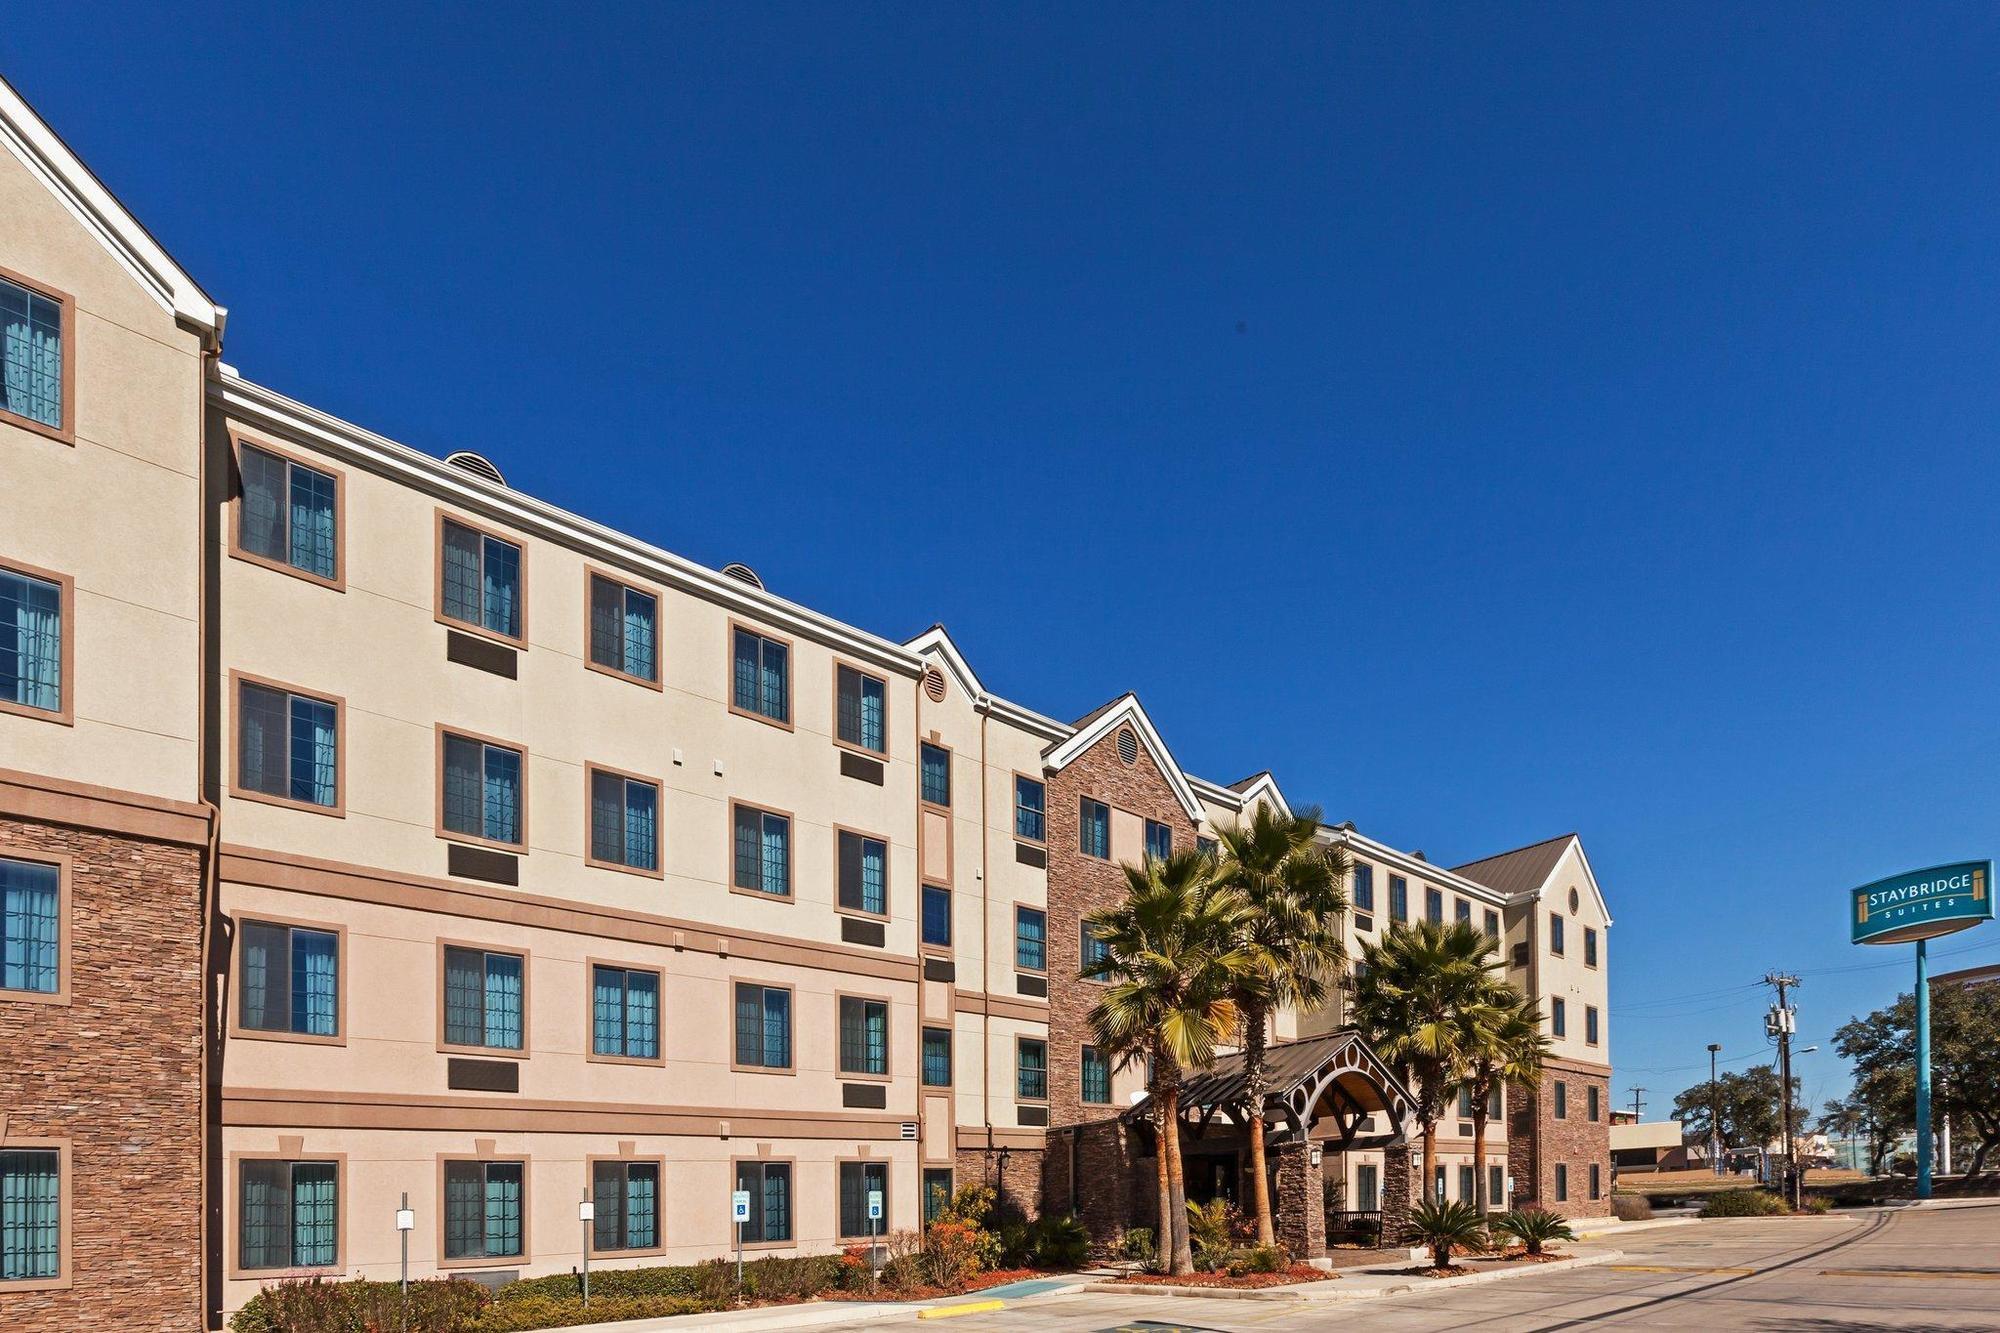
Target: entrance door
1210,1178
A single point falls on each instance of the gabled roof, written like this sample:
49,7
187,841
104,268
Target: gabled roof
1525,871
42,151
937,641
1262,786
1100,722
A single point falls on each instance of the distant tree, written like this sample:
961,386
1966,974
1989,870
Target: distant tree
1965,1066
1748,1102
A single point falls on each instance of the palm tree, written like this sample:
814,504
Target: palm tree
1444,1227
1507,1047
1419,994
1172,959
1533,1227
1291,933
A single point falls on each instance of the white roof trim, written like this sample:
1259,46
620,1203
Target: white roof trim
43,152
1128,710
1589,877
938,640
1265,785
1403,862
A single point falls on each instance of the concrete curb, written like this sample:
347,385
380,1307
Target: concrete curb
1624,1227
1323,1293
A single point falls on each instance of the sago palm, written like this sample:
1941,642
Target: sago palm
1533,1227
1172,959
1291,934
1443,1227
1507,1048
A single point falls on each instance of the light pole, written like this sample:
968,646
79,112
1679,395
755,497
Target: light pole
1714,1111
586,1213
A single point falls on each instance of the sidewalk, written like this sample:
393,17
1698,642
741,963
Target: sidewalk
814,1314
1367,1283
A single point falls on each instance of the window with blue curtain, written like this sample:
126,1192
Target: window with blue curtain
624,819
1556,924
1093,828
763,1026
1030,938
1030,810
482,999
1433,906
937,1192
762,676
287,512
482,790
937,915
1031,1069
624,625
1364,887
769,1185
1096,1076
30,1214
1558,1018
1159,840
31,355
30,926
287,745
482,580
857,1181
935,772
31,641
1091,949
1492,924
863,873
763,851
625,1013
482,1210
288,1215
864,1036
1399,898
289,980
627,1199
937,1057
1462,911
860,700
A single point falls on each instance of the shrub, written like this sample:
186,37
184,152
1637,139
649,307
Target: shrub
662,1280
537,1310
780,1278
954,1252
1211,1230
1631,1207
1443,1228
1744,1203
1139,1245
316,1305
1815,1203
1533,1227
1017,1244
1060,1242
972,1203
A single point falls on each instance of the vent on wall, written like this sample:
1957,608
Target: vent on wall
1128,745
743,574
934,684
477,464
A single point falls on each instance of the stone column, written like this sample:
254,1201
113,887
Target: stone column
1300,1202
1399,1191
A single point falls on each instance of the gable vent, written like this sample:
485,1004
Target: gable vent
1128,746
477,464
934,684
743,574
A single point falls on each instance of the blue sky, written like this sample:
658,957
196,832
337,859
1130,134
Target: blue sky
1498,421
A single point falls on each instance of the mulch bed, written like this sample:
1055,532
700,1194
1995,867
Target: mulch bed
1520,1256
1425,1270
1295,1274
996,1278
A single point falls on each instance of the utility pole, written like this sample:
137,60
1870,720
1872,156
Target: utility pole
1636,1103
1714,1111
1781,1023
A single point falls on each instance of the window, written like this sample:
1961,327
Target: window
1031,1070
624,1012
1096,1077
626,1196
763,852
1437,1183
624,630
937,916
1433,906
937,1192
763,1026
1558,1017
287,746
1461,910
1364,887
1589,947
857,1181
761,676
1092,950
1562,1100
1562,1182
287,1214
1367,1188
483,1210
1591,1104
1590,1023
769,1185
1094,828
34,652
1555,934
31,1224
31,927
624,821
1596,1181
864,1037
935,762
937,1057
483,999
1467,1179
288,514
1464,1102
1159,840
483,796
35,377
1030,939
1496,1187
1030,810
1496,1102
290,980
481,580
1206,846
1399,898
1493,925
859,700
864,873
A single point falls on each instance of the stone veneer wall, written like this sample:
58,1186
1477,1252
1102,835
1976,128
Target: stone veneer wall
117,1072
1016,1177
1537,1141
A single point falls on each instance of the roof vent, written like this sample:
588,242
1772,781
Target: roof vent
1419,855
1128,746
743,574
934,683
477,464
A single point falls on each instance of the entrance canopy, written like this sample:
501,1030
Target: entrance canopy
1323,1088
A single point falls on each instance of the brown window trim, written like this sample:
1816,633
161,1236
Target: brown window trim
1082,924
590,1055
1014,809
659,821
1110,1073
834,730
473,839
1592,945
590,1165
66,608
791,894
888,1192
238,442
236,1029
951,1064
66,433
791,718
1014,938
1110,852
65,865
65,1210
527,1212
1048,1071
232,1228
659,607
792,1164
781,1070
437,578
527,1003
338,810
950,775
888,893
888,1037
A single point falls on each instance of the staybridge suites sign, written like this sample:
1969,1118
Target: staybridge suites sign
1923,903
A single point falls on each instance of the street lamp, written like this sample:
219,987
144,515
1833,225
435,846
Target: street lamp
1714,1111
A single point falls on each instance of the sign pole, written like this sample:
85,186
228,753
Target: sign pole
1923,1073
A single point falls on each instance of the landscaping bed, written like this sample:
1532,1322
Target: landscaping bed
994,1278
1284,1277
